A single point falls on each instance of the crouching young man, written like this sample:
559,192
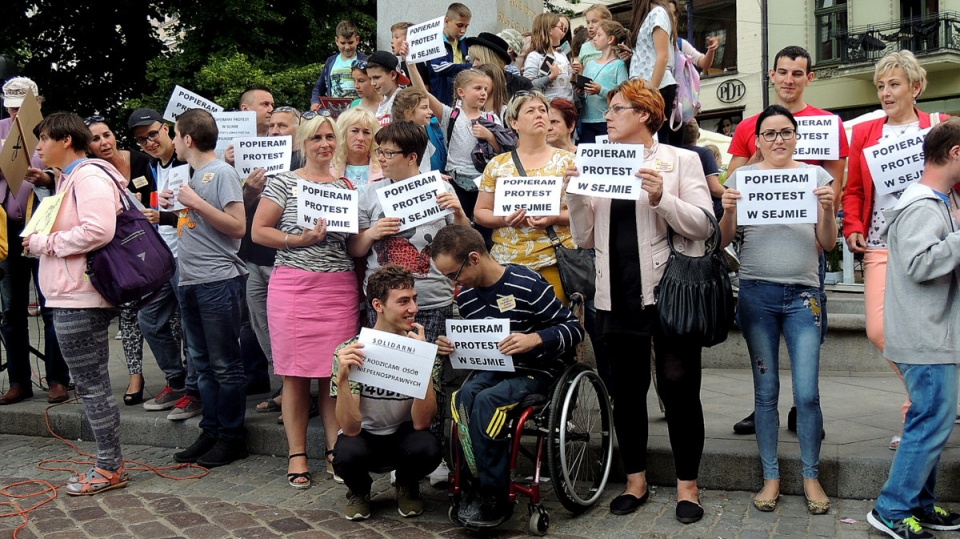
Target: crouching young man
382,430
543,339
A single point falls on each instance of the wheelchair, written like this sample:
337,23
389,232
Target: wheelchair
573,430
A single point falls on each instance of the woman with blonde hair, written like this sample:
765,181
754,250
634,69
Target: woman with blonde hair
353,158
546,65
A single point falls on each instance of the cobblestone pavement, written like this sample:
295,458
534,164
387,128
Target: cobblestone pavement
251,500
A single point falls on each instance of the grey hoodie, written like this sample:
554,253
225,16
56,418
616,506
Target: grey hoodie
920,316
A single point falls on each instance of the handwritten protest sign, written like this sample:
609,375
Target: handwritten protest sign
395,363
896,164
44,216
270,153
414,200
539,195
176,178
337,206
818,138
776,197
426,41
475,344
182,100
607,171
234,124
17,154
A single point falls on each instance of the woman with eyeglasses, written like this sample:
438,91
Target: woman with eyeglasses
354,158
135,167
312,269
546,64
780,293
630,238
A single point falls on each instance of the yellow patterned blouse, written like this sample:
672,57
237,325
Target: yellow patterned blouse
527,246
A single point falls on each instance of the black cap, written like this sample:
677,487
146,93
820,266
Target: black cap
143,117
390,62
493,42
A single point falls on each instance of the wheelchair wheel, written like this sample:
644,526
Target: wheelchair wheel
580,447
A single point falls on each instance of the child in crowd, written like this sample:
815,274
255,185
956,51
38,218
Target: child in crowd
546,64
413,105
594,16
369,99
398,36
444,70
607,72
385,76
336,79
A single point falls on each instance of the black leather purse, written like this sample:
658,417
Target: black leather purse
695,297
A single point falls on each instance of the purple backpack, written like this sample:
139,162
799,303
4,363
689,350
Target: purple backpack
136,263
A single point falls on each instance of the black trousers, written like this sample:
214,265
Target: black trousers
412,453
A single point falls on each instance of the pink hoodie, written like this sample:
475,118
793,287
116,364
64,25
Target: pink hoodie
86,222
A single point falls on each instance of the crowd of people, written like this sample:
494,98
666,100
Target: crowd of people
251,276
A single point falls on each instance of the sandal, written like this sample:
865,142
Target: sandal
268,406
894,443
95,481
299,480
328,454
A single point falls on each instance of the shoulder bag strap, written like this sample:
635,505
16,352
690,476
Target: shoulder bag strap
716,235
454,114
520,170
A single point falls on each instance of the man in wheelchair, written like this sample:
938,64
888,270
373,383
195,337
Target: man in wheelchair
543,339
381,430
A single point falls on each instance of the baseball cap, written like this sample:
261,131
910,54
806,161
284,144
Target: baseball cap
390,62
15,90
143,117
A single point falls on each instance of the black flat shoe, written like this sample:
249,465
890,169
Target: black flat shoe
745,426
792,423
689,512
625,504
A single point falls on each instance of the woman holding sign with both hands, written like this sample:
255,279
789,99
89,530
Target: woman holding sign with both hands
312,268
780,293
630,239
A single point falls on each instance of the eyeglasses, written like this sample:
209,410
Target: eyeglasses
151,137
94,120
311,114
289,110
561,27
359,64
617,109
456,276
386,153
786,134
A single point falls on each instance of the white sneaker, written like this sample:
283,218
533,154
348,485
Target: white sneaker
440,476
393,478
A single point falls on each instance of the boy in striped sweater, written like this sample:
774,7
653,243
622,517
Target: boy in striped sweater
543,338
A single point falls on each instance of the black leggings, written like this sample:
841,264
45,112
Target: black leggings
678,378
665,134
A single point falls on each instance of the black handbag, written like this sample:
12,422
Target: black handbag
695,297
577,273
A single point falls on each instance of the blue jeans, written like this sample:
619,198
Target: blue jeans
157,320
766,310
211,324
909,491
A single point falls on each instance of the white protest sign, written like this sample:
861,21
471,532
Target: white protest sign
395,363
776,197
234,124
182,100
602,139
475,344
426,41
337,206
177,177
818,138
539,195
607,171
413,200
270,153
896,164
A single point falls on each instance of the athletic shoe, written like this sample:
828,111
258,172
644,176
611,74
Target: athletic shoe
185,408
358,506
203,444
908,528
409,502
941,519
166,399
440,476
223,452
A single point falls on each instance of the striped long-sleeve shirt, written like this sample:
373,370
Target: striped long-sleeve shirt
533,308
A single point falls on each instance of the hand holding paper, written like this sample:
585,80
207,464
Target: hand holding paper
520,343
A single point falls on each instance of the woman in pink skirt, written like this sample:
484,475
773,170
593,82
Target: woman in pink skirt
313,298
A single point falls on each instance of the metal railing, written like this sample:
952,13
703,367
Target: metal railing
922,35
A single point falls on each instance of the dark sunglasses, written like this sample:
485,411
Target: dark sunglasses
94,120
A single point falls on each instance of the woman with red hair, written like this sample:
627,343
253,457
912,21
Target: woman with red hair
563,123
630,239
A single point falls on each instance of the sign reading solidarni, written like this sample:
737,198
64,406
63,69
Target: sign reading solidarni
776,197
475,344
607,171
337,206
182,100
395,363
426,41
818,138
897,163
234,124
414,200
270,153
539,195
177,177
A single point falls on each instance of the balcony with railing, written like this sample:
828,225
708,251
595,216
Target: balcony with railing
934,34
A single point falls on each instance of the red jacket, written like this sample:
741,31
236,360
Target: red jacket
859,191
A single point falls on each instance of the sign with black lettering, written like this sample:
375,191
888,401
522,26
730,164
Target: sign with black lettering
338,206
414,200
897,163
395,363
608,171
731,91
182,100
818,138
426,41
270,153
776,197
539,195
234,124
476,344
